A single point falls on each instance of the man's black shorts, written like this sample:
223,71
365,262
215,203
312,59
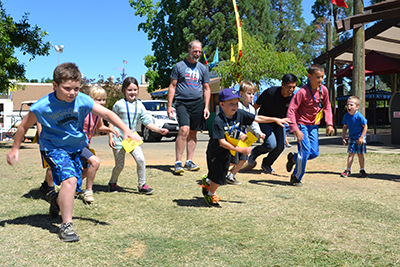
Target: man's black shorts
190,113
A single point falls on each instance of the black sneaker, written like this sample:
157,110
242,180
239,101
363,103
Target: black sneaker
212,201
346,173
67,233
267,169
232,180
114,188
294,181
45,188
363,174
145,189
290,162
54,208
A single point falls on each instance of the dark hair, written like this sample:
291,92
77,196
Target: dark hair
315,67
127,82
66,71
289,78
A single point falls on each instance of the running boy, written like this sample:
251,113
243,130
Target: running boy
305,112
357,125
62,114
228,122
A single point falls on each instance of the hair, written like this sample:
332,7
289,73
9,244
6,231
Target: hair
127,82
66,71
97,91
246,86
289,78
315,67
356,99
190,46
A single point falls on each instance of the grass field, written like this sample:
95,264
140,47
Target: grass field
330,221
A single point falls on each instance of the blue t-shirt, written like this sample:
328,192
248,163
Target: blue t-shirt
62,122
190,79
355,124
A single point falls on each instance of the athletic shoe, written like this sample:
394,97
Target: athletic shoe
212,201
54,208
267,169
67,233
88,197
363,174
190,166
346,173
294,181
114,188
179,168
145,189
45,188
290,162
251,161
230,179
205,183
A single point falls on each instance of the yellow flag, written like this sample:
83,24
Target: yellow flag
239,29
250,139
232,54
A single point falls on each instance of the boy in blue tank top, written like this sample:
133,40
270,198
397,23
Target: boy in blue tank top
62,139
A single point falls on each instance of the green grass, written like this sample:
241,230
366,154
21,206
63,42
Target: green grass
330,221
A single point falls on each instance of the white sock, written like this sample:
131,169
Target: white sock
211,194
176,162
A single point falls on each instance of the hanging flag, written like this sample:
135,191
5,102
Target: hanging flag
239,29
205,58
232,54
341,3
215,60
124,61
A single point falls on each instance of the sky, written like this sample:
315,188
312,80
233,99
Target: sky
97,35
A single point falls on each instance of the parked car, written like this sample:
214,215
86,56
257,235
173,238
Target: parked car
158,111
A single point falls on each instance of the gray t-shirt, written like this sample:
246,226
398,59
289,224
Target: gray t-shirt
190,79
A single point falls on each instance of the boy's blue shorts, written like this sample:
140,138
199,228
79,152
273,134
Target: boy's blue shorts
64,165
354,148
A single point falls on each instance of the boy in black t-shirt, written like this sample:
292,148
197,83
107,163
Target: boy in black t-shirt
230,121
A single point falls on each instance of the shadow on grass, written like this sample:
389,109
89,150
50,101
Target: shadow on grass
35,194
104,188
199,202
269,182
44,222
164,168
378,176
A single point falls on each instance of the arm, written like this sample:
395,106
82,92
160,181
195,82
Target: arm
206,95
265,119
344,134
360,140
171,95
104,129
225,144
256,106
155,128
27,122
328,114
114,119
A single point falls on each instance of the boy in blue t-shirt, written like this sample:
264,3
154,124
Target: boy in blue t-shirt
357,125
62,115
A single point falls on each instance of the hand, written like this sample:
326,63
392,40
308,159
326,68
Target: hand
299,135
134,136
282,122
329,130
206,113
13,154
344,141
163,131
244,150
262,136
243,136
360,141
170,112
115,132
111,142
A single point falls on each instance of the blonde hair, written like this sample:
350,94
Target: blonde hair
96,91
356,99
246,86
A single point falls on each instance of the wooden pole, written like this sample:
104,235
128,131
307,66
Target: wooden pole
359,57
329,74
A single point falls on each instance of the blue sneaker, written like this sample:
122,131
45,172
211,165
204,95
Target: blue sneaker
190,166
179,168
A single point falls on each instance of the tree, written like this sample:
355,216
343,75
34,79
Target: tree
260,64
18,35
173,24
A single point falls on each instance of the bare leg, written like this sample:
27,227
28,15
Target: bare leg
213,187
180,142
49,177
350,160
237,167
191,144
361,160
65,198
90,172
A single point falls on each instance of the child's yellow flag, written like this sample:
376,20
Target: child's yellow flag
129,145
319,116
250,139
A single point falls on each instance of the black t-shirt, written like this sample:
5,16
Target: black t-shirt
239,121
272,103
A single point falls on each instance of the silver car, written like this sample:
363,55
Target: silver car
158,111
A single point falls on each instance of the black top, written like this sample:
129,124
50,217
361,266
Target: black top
272,103
239,121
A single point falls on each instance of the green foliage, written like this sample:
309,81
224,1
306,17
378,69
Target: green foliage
260,64
18,35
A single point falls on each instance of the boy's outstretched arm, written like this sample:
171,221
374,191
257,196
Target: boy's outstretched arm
115,120
26,122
